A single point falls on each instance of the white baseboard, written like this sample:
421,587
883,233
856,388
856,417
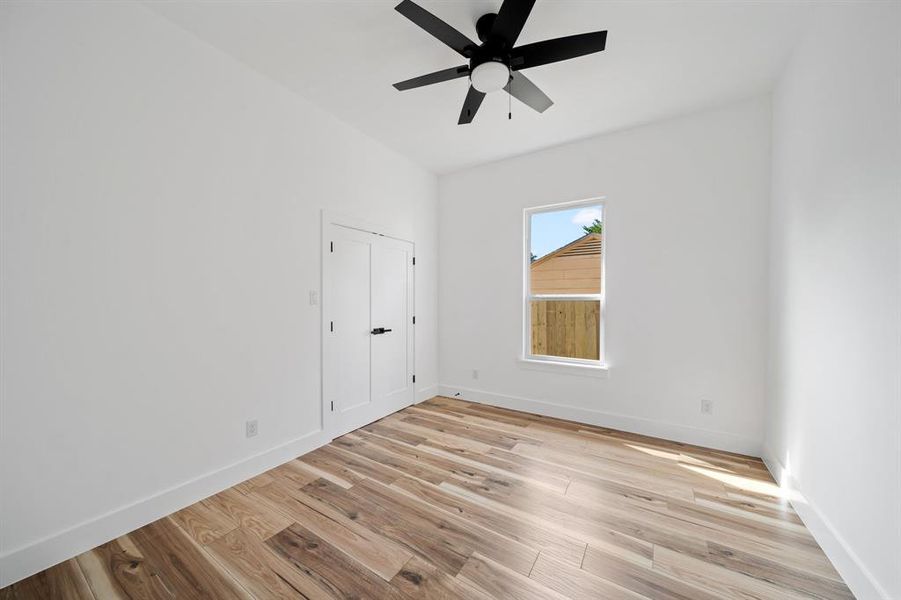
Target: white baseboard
856,575
426,393
22,562
680,433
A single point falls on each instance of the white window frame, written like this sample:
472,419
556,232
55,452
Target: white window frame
528,360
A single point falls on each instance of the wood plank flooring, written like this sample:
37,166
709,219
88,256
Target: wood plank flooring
454,500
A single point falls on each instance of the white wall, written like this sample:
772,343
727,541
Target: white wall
161,228
835,419
686,280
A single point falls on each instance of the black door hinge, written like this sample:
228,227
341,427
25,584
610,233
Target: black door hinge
331,246
414,261
414,379
331,325
414,319
333,406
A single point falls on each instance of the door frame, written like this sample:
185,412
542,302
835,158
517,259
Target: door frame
328,418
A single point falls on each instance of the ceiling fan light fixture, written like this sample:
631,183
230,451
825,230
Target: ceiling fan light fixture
490,76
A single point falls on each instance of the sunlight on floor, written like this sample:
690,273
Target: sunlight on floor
678,457
744,483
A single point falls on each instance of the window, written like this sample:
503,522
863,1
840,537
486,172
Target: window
564,284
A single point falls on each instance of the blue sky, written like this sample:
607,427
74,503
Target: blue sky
551,230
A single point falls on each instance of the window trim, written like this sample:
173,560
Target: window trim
561,364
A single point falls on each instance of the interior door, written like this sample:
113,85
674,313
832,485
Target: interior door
391,299
368,307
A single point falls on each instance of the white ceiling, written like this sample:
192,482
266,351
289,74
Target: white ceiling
662,59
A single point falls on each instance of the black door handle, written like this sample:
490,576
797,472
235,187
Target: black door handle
380,331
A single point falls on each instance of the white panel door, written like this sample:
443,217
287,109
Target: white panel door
391,376
368,345
350,258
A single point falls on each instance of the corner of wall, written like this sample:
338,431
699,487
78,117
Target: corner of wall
856,575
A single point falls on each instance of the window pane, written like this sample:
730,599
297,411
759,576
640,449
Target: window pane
566,248
566,328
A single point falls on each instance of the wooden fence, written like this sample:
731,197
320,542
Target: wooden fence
569,328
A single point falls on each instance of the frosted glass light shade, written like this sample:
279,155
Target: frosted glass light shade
490,77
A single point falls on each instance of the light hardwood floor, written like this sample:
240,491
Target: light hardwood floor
453,500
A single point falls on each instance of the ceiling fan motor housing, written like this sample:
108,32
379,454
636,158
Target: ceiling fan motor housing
493,48
484,25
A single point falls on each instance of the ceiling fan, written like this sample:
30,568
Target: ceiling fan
495,64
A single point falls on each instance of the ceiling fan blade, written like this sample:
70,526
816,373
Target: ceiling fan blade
436,27
522,88
470,106
511,18
436,77
549,51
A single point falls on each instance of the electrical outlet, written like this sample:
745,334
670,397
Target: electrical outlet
251,428
475,373
314,297
706,406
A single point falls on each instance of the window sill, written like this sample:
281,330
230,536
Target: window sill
561,367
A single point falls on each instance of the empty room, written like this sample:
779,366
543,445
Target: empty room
464,299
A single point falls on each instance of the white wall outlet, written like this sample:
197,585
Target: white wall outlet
314,297
706,406
251,428
475,373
